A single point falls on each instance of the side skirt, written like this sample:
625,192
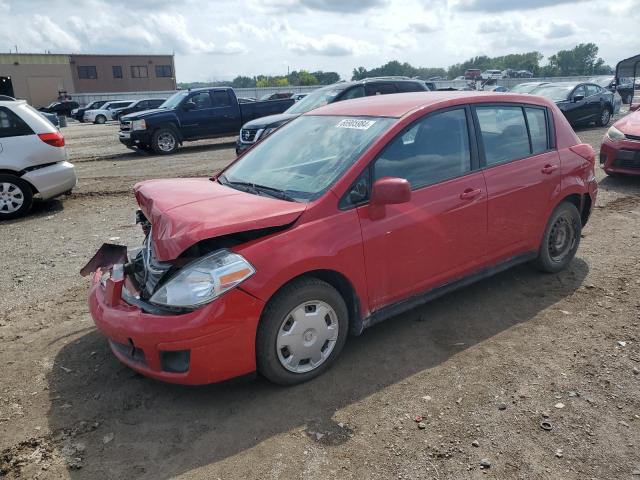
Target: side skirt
417,300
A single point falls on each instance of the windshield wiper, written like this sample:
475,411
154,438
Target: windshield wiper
256,188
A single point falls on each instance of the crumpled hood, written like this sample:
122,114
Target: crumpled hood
630,124
186,211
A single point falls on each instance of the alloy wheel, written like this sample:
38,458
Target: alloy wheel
166,142
11,198
307,336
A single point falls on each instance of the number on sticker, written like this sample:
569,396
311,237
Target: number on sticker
355,123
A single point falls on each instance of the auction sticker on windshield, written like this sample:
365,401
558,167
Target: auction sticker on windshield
355,123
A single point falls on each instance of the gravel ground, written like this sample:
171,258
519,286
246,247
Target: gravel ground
482,367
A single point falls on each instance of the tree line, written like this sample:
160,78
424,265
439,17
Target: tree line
581,60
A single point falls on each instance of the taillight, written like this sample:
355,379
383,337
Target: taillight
585,151
54,139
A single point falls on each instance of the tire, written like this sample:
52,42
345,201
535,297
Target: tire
604,118
282,340
100,119
560,240
16,197
164,141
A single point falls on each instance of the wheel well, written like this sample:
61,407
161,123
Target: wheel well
34,190
346,290
582,203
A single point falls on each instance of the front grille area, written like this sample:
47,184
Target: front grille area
628,159
125,126
147,271
248,135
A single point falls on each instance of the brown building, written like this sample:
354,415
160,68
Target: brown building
41,78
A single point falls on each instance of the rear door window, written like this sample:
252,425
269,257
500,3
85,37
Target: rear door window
537,121
380,89
432,150
504,133
410,87
11,125
220,98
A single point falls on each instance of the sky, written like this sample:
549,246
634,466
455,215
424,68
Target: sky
219,39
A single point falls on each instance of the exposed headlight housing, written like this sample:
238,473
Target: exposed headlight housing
138,125
203,280
614,134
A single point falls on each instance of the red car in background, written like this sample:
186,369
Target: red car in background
620,149
346,216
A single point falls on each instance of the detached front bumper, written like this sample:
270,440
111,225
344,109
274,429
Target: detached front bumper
211,344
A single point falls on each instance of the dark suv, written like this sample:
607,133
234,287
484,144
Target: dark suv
259,128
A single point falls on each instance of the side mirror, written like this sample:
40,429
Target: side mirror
390,190
577,98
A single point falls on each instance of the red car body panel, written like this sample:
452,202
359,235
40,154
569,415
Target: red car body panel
623,156
385,255
185,212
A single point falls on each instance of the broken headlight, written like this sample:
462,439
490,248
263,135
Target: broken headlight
203,280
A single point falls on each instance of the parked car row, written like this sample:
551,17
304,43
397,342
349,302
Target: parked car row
101,111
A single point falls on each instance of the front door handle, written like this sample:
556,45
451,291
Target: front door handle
549,169
470,193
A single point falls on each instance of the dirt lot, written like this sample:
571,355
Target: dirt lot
484,366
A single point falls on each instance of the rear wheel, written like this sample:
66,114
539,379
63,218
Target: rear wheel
100,119
16,197
302,332
604,118
164,141
560,240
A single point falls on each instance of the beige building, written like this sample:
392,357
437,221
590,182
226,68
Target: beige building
42,78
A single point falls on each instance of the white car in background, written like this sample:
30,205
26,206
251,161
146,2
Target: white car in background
33,159
106,112
492,75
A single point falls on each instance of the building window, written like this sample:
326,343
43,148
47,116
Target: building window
85,73
163,71
139,71
117,71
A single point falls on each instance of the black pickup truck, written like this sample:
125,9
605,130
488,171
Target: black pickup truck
193,115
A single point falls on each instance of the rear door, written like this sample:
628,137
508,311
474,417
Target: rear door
440,234
521,170
594,100
223,119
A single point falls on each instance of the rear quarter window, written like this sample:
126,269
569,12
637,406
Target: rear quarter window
11,125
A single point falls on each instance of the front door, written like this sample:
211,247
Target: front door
440,234
577,110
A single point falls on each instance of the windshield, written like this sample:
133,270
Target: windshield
556,93
525,88
315,99
305,157
174,100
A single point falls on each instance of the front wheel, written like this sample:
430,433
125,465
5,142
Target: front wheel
604,118
560,240
164,141
302,332
15,197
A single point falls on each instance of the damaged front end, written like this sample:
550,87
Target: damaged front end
198,276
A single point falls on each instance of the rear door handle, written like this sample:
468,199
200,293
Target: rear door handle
549,169
470,193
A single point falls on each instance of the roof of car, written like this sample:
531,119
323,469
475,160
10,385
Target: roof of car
401,104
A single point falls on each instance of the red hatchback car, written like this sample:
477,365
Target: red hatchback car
348,215
620,149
